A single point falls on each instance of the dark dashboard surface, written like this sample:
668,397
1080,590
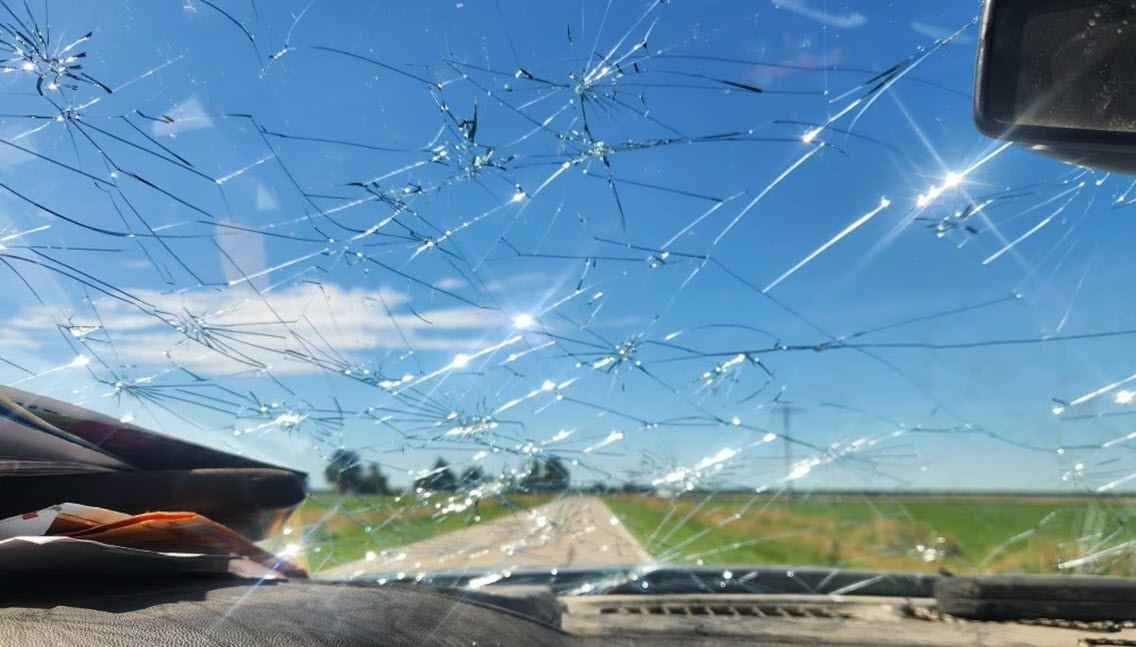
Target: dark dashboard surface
213,611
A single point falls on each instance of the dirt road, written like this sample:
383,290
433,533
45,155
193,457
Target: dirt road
575,531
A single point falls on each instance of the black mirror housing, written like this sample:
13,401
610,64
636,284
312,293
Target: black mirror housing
1060,76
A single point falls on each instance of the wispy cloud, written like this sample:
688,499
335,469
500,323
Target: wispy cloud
518,282
841,21
266,198
450,283
10,156
936,32
244,254
185,116
277,330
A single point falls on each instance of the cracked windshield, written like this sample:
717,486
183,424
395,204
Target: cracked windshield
591,286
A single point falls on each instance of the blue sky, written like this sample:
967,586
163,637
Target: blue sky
372,286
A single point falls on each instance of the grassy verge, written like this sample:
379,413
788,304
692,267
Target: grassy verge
336,529
959,533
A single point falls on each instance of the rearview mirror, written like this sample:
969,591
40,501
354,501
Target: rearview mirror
1060,76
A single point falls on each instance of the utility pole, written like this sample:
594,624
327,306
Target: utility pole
787,411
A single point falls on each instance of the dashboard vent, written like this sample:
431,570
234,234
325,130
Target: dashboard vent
727,610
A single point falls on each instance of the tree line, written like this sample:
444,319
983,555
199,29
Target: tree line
348,473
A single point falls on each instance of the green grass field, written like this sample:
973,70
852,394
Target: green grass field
335,529
961,534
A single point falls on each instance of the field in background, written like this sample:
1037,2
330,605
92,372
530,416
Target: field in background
962,534
327,530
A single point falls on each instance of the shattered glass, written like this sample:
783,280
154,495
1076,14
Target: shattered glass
581,285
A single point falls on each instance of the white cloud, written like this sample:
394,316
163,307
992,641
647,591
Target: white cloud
138,264
11,157
840,21
276,329
266,198
243,253
935,32
187,115
514,282
450,283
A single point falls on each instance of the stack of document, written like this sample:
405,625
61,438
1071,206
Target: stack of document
53,451
79,491
78,539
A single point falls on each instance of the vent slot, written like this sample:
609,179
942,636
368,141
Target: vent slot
727,610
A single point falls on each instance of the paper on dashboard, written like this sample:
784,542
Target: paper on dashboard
58,520
70,536
41,555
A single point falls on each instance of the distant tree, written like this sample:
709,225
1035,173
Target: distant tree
345,471
471,476
531,481
439,479
556,474
546,475
375,482
631,487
